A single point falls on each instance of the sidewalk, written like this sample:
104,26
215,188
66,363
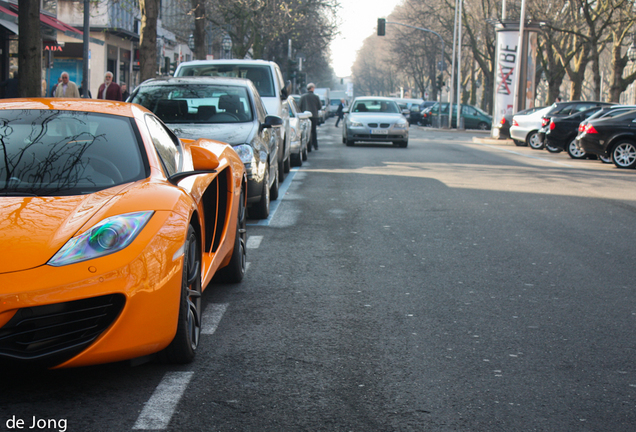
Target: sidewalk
482,137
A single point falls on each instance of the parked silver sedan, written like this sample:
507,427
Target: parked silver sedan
525,128
375,119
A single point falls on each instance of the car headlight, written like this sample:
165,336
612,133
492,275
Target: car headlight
245,152
400,125
356,124
109,236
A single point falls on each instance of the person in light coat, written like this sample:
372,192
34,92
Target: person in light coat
67,88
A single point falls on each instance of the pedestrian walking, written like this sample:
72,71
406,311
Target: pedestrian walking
66,88
109,90
340,111
124,92
311,102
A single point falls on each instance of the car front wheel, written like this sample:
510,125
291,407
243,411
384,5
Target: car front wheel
575,152
260,210
624,154
482,126
235,270
183,347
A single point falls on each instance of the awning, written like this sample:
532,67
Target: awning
58,25
11,26
7,14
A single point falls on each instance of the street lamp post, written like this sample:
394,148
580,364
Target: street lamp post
226,44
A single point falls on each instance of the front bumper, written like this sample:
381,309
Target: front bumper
137,290
365,134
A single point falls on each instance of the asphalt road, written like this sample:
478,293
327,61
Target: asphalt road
450,286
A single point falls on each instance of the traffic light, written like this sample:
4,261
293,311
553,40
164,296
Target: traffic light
381,26
440,81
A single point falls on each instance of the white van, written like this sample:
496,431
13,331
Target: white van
267,78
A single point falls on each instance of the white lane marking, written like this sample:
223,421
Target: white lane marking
212,317
524,155
273,206
161,406
253,242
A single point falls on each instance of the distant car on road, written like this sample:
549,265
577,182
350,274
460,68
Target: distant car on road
375,119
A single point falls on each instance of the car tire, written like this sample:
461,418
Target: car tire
183,347
273,191
624,154
533,141
520,143
553,149
574,152
349,142
296,160
482,126
402,144
235,270
304,153
287,164
260,210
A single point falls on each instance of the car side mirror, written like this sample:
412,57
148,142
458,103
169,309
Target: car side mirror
272,121
285,91
204,161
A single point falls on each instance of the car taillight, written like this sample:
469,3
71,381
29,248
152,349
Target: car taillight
581,127
503,121
514,122
552,125
545,121
590,129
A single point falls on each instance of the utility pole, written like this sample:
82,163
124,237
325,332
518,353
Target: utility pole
87,52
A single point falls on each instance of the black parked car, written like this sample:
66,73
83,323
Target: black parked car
613,137
605,112
562,109
223,109
562,131
416,114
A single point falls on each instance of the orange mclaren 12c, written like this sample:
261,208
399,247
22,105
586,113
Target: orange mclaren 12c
110,229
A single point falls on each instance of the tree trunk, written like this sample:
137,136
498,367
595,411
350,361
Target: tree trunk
200,46
148,39
29,49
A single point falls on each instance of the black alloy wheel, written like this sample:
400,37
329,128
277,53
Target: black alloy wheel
183,347
235,270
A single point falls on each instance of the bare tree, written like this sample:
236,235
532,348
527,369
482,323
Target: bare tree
29,49
148,39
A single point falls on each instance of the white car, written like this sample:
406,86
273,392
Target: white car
525,127
299,132
375,119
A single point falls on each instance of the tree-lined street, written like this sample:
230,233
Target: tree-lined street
453,285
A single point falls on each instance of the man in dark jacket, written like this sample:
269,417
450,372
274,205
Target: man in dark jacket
311,102
109,90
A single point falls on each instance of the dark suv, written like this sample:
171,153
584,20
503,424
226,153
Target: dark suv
563,109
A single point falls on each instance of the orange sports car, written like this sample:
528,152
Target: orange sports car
110,229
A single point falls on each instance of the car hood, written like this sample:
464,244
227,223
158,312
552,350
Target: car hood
231,133
33,229
376,118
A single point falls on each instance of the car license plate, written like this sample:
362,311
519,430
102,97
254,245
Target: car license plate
379,131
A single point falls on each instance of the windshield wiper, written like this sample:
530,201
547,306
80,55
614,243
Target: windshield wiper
26,194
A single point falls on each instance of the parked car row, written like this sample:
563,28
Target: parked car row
584,129
473,117
241,102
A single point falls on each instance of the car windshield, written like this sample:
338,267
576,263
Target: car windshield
376,106
53,153
261,76
196,103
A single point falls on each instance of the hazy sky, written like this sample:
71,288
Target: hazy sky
359,19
